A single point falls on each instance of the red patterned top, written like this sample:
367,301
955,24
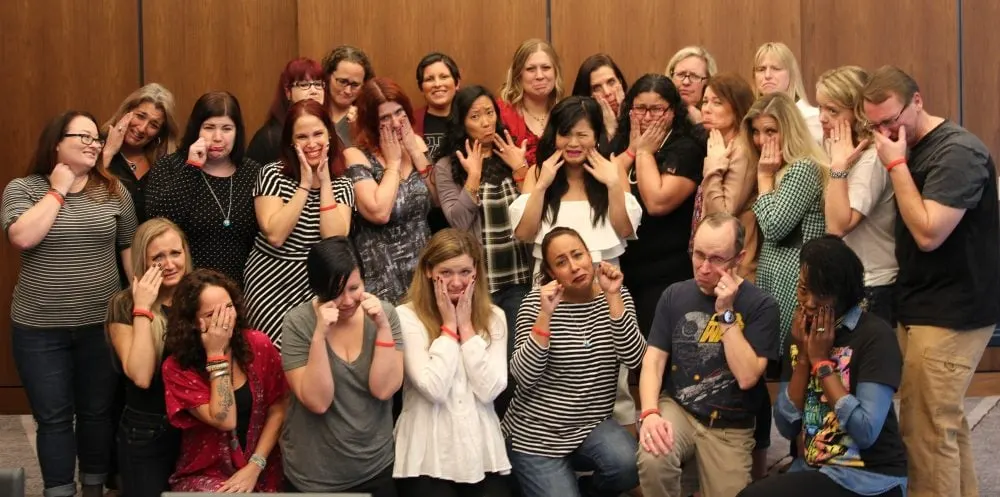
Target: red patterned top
207,458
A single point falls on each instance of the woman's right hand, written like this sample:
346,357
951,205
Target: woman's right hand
549,169
327,314
551,295
145,290
449,315
305,170
61,178
472,160
217,330
391,148
116,136
198,153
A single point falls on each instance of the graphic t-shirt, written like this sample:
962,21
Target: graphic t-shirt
867,353
698,376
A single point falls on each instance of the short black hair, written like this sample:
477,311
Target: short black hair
329,265
832,269
434,58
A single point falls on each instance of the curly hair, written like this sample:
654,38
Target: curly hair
183,338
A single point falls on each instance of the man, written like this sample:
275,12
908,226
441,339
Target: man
717,331
947,238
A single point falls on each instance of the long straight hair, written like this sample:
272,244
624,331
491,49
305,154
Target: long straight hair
165,140
796,141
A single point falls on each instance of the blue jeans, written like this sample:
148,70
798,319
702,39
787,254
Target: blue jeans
509,300
148,447
68,375
609,451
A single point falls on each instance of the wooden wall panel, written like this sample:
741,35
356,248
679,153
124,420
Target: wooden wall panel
479,34
56,55
981,46
922,40
240,46
642,35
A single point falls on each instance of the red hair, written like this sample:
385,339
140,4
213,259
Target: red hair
290,158
374,93
300,69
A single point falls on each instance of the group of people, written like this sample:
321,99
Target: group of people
365,296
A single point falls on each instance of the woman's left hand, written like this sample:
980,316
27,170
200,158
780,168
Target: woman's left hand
243,481
463,309
609,277
602,169
511,153
373,308
820,338
411,141
840,147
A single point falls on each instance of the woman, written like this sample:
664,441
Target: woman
775,69
68,218
835,399
148,446
789,207
344,361
448,438
347,68
664,168
393,188
438,79
689,69
577,329
141,131
858,201
531,88
297,202
599,77
576,186
224,391
730,180
302,78
206,186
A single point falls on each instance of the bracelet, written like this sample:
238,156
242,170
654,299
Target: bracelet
329,207
218,374
380,343
645,414
217,358
448,331
540,332
138,311
426,172
300,187
259,461
899,161
58,196
821,363
217,366
630,154
193,163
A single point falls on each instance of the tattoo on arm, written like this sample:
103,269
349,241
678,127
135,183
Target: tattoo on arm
226,400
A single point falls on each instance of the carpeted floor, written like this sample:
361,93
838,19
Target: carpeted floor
17,435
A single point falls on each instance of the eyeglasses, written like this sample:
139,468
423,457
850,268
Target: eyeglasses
888,122
716,261
688,77
305,85
87,139
654,111
346,83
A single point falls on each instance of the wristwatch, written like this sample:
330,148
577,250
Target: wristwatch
727,317
825,369
839,174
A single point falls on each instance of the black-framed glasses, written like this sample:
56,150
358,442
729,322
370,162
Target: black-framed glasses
888,122
87,139
654,111
715,261
305,85
688,77
346,83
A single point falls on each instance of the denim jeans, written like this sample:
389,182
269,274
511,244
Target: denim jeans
68,375
509,300
609,451
148,448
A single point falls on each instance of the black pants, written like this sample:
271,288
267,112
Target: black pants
148,448
880,302
382,485
493,485
798,483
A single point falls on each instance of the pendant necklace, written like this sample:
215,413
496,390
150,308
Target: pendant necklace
225,222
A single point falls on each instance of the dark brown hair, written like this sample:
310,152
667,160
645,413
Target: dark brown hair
543,272
183,339
732,89
347,53
373,94
216,104
45,157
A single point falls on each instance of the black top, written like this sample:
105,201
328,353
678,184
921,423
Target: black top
660,254
244,408
956,285
136,186
265,146
184,194
148,400
698,376
435,129
868,353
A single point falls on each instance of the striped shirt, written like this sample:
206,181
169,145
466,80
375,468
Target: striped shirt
67,279
563,392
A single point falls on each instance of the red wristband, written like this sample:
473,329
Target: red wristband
380,343
648,412
889,166
137,311
630,154
58,196
540,332
821,363
217,358
194,164
426,172
448,331
329,207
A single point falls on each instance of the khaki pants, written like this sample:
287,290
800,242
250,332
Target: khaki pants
723,457
938,365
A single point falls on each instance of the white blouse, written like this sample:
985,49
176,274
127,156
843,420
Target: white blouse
448,429
811,116
602,240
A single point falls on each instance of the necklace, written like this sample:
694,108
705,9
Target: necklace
131,165
225,222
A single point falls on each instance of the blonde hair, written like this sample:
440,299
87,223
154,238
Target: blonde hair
154,93
692,51
796,88
511,90
844,86
796,142
144,236
444,245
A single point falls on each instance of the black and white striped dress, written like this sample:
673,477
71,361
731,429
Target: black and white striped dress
565,391
276,279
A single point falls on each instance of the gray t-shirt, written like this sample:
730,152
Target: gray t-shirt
352,442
